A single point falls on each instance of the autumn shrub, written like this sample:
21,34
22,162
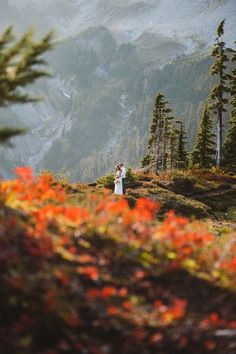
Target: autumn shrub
100,277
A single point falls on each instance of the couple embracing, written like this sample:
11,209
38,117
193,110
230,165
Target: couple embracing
120,175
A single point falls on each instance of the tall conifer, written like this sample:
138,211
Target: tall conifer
229,147
167,131
156,143
204,148
181,154
217,97
172,147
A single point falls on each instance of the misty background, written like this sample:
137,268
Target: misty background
111,58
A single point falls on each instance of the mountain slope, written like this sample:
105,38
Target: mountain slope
111,59
113,108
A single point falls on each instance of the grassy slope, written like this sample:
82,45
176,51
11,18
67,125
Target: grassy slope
193,193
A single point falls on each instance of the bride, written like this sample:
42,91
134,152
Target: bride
118,181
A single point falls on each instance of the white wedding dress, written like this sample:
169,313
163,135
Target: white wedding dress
118,184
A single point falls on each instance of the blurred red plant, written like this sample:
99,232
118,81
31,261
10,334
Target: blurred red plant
92,270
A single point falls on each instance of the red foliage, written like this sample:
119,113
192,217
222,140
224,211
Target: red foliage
85,279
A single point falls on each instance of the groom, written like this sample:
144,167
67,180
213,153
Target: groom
123,175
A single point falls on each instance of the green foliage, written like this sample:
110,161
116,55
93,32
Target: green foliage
132,180
146,161
172,147
218,99
204,147
181,154
8,132
107,181
160,144
229,147
20,65
220,29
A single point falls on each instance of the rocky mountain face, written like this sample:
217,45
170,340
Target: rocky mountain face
110,59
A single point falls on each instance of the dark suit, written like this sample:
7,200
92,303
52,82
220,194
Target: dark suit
123,173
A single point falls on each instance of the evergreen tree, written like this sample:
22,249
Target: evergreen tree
156,143
167,131
181,153
172,147
20,65
229,147
204,148
218,101
146,161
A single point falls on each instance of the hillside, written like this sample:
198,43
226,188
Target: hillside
100,106
199,194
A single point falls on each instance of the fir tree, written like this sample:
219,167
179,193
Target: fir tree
204,148
218,101
156,143
172,147
20,65
181,153
146,161
229,147
167,135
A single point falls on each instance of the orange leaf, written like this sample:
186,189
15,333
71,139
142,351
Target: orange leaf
108,291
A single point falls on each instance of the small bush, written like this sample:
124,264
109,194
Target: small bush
107,181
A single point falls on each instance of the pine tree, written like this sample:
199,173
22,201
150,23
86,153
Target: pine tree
204,148
20,65
217,98
229,147
167,131
146,161
181,153
172,147
156,143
